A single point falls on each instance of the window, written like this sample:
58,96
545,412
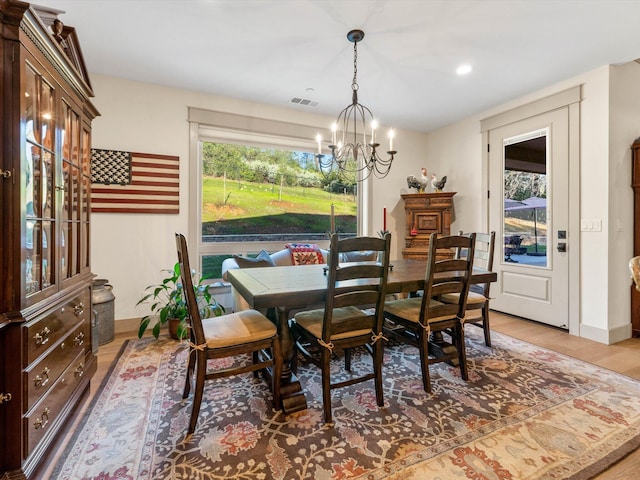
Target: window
258,191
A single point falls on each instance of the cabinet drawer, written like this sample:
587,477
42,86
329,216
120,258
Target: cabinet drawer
44,415
40,376
47,330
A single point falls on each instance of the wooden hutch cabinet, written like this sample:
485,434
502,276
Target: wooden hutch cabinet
46,359
425,213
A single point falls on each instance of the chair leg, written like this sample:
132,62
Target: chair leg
197,398
326,384
191,362
347,359
462,351
256,359
276,351
423,346
378,357
485,325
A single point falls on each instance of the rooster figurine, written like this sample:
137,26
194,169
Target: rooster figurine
438,185
420,184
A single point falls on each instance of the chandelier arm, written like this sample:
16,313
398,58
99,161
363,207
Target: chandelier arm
350,156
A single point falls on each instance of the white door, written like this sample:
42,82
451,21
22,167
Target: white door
529,211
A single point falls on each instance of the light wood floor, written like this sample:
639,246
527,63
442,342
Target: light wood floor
623,357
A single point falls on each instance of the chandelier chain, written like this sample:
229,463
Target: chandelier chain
354,83
354,154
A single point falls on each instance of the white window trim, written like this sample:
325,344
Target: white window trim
223,127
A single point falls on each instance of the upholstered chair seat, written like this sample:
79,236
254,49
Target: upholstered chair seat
237,329
312,321
409,309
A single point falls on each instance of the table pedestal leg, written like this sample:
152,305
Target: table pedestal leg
293,399
439,347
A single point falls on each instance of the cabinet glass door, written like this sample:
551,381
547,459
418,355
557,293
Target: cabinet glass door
40,172
71,207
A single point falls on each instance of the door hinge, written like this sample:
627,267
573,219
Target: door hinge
488,148
488,193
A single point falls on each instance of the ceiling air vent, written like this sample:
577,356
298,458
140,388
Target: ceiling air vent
304,101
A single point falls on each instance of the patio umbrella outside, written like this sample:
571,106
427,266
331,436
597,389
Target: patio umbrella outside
533,203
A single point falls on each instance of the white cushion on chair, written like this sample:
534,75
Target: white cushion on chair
237,328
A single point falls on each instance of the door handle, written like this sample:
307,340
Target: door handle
562,247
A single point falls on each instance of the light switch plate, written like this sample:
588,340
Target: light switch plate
587,225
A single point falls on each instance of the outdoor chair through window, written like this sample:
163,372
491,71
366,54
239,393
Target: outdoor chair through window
343,324
414,320
232,335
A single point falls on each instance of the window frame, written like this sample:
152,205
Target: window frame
222,127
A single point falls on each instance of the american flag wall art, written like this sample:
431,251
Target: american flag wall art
130,182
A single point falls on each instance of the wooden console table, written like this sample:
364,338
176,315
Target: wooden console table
425,213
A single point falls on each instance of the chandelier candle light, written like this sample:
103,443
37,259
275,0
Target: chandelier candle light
384,219
353,153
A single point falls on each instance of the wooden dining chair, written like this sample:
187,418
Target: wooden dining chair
342,323
414,320
477,312
235,334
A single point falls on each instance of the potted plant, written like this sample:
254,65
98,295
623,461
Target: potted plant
168,304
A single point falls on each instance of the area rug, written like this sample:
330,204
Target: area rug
525,412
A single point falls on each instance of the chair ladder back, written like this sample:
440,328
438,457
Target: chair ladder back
483,257
356,284
448,275
195,320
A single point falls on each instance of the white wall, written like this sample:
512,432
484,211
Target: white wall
609,124
624,128
131,249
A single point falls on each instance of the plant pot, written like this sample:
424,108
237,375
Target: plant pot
173,327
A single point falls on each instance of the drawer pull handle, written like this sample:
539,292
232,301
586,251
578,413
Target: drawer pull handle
78,340
79,372
42,379
42,337
43,420
78,309
5,397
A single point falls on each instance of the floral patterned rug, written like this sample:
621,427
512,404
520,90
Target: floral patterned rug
525,412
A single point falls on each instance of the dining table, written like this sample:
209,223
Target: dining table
282,290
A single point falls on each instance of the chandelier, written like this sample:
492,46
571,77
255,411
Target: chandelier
353,152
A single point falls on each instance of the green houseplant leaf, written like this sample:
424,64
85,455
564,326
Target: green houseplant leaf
167,301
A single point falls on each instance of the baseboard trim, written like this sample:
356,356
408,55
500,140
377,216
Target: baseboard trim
127,325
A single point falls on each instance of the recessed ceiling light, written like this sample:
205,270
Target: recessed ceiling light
464,69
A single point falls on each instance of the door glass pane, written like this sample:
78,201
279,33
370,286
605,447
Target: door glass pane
32,128
74,193
46,115
66,181
47,255
525,199
75,138
47,185
74,263
65,132
64,250
33,256
33,180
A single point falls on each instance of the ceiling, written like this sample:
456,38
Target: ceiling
270,51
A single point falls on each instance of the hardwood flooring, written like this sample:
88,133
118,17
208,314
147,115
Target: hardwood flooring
623,357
